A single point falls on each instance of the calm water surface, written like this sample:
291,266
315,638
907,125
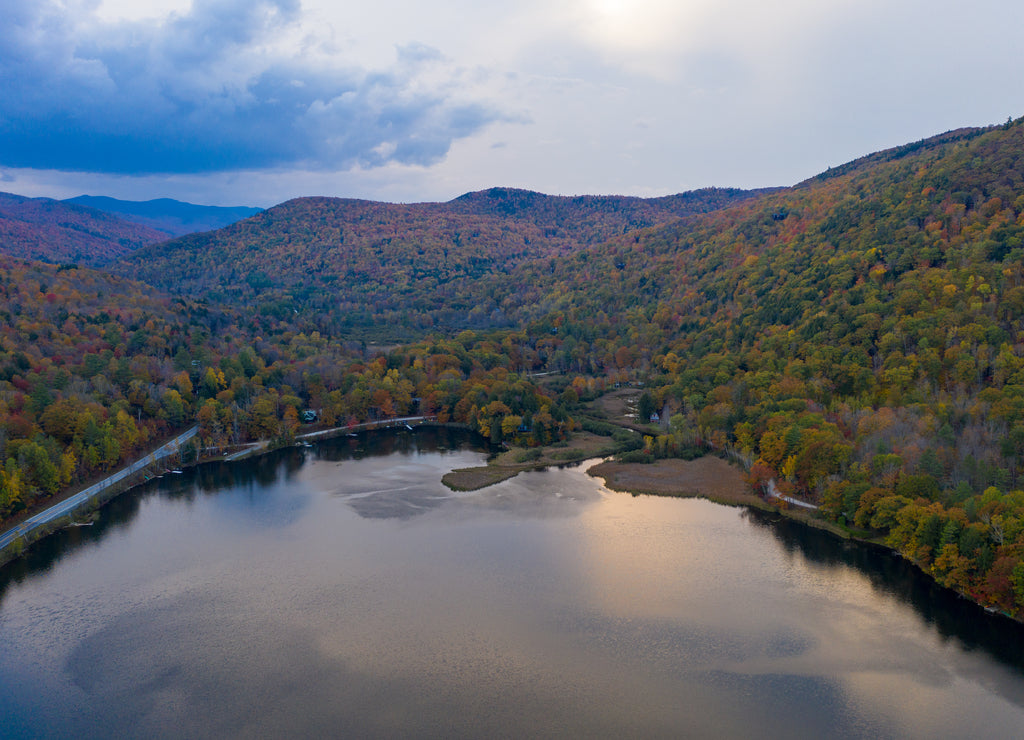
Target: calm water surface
341,590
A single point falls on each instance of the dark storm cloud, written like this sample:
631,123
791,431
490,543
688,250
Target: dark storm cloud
210,90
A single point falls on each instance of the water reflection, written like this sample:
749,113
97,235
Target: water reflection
328,590
952,616
259,490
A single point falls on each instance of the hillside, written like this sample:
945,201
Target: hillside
857,338
170,217
390,271
64,233
95,369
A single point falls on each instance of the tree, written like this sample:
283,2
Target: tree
60,420
290,422
173,406
12,490
35,461
645,407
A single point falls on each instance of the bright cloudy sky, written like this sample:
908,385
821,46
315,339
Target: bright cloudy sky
252,102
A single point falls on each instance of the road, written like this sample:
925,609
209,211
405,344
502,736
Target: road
773,491
254,448
68,505
383,423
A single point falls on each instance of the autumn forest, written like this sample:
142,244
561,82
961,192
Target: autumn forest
856,339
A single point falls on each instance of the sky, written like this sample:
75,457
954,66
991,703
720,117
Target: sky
253,102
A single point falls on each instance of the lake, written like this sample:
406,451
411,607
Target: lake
342,590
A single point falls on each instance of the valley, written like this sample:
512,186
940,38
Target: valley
856,338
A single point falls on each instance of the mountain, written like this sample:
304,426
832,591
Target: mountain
52,231
392,271
171,217
597,217
857,339
953,200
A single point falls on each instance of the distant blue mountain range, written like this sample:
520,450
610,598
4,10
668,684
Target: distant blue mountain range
171,217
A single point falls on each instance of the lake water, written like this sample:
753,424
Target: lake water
341,590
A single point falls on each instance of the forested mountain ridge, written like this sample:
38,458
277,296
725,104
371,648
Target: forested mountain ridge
700,263
597,218
57,232
170,217
897,152
372,269
859,338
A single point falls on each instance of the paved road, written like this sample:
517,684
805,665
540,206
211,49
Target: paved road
773,491
64,507
250,449
255,447
406,420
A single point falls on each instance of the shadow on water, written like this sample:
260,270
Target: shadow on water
384,442
254,475
952,616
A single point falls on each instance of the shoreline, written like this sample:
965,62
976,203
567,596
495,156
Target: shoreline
708,477
515,460
677,478
63,509
720,481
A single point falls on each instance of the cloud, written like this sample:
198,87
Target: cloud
227,85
